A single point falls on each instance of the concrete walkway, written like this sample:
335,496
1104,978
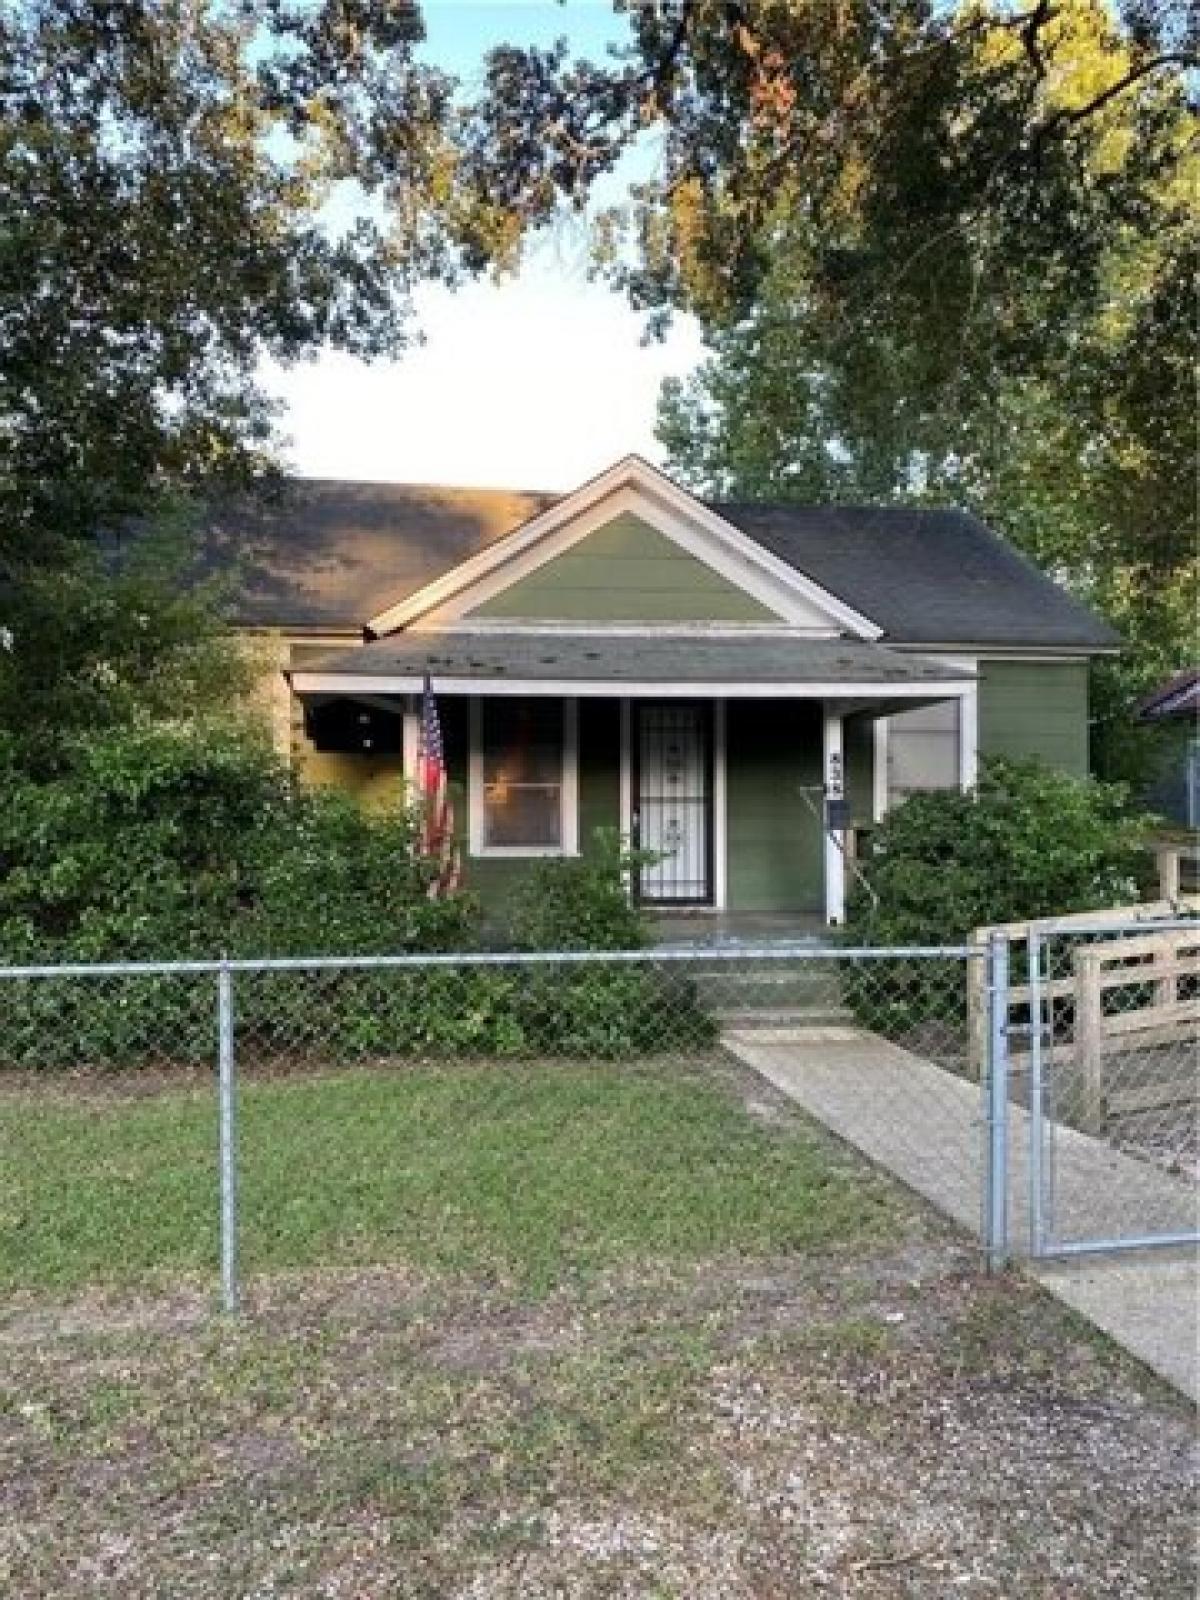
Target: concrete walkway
924,1125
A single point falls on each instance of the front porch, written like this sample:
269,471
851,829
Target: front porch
740,763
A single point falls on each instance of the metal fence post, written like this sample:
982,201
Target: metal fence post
227,1101
996,1173
1037,1104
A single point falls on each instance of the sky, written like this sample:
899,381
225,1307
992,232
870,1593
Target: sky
539,382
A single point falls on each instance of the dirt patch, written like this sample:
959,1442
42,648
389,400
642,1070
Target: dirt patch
875,1425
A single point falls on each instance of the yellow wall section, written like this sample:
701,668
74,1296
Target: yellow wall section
377,783
625,571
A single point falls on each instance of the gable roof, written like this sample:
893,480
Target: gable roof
1178,697
631,485
324,555
932,575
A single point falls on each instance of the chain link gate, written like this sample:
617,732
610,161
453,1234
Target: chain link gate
1113,1087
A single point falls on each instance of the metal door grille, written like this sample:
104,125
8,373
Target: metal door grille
674,803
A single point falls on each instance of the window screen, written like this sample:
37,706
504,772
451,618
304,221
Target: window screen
923,750
522,773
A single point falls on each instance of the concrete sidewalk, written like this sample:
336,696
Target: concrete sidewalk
924,1125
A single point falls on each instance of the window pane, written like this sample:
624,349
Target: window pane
525,814
923,749
522,741
522,773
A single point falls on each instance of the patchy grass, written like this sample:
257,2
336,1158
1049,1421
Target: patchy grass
879,1424
529,1173
545,1332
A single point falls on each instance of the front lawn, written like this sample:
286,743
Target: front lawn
542,1333
526,1172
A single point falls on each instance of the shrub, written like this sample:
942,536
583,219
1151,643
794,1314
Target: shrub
164,842
191,841
1026,842
580,902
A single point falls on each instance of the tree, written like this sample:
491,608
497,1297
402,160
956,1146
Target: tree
1056,402
172,178
897,134
1085,461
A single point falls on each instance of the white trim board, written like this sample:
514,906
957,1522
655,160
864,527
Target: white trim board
612,688
630,486
504,627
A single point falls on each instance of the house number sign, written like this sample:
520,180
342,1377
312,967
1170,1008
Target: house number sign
834,782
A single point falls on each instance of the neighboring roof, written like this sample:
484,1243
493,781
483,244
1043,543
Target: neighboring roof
626,658
325,554
1178,697
329,554
926,576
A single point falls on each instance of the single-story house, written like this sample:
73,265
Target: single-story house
736,687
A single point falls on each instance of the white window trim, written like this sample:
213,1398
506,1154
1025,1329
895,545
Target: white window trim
879,774
568,792
968,737
626,779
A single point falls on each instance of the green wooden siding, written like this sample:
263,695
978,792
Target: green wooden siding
1035,709
625,571
775,856
775,859
599,767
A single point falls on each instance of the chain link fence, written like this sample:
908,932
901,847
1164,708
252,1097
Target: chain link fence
1112,1077
301,1098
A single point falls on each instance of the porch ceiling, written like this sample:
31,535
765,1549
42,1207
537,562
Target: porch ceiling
615,664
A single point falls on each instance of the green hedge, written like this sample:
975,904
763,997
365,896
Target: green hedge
174,842
1027,842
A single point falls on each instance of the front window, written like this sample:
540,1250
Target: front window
923,750
522,768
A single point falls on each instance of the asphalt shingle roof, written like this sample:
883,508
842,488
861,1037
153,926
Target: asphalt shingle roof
926,576
331,555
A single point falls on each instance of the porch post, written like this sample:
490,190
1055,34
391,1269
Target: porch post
411,738
720,848
835,789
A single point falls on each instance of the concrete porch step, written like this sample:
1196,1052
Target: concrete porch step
790,988
789,1020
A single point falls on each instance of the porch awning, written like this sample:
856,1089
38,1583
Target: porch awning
753,665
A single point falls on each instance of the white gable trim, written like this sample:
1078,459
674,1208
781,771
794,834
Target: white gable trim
631,486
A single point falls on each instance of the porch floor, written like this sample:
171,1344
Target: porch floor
677,927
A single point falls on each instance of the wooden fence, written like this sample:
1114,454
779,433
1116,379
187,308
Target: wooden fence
1085,1031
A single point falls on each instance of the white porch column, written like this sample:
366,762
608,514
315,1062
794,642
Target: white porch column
835,789
968,732
720,851
411,739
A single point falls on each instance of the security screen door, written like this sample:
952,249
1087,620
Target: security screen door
673,788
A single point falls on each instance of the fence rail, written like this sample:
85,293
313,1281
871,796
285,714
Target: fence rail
313,1015
1106,1023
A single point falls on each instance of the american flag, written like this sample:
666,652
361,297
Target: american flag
437,814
